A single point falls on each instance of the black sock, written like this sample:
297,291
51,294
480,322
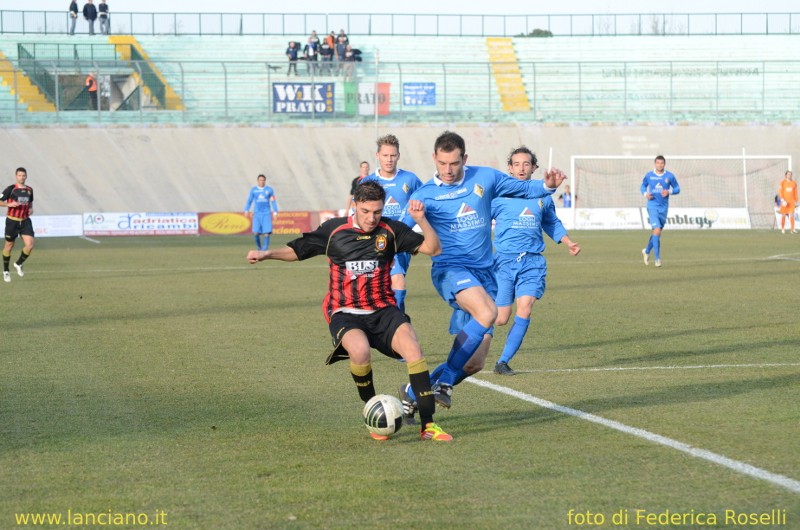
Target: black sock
362,375
22,257
420,380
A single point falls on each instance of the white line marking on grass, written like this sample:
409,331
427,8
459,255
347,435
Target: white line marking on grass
89,239
639,368
786,257
740,467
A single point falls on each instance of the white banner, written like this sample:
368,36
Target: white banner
704,218
608,219
54,225
566,216
57,225
140,224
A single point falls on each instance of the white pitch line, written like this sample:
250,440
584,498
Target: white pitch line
740,467
644,368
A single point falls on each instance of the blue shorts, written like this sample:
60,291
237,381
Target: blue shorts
519,275
450,280
657,217
401,263
262,223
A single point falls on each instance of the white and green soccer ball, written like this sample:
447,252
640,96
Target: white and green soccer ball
383,415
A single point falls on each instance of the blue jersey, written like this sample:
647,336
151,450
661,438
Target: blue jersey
655,184
520,222
263,199
398,191
461,213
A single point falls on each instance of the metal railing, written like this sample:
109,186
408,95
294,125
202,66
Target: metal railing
558,92
597,24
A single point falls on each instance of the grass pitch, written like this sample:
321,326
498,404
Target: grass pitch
166,377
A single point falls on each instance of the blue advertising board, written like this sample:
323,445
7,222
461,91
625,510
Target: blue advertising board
302,98
419,94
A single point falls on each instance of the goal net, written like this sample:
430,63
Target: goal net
744,181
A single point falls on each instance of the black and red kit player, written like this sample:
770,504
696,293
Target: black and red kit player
360,306
18,198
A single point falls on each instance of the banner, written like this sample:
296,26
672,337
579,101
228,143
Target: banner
140,224
419,94
292,223
302,98
608,219
57,225
361,98
703,218
223,223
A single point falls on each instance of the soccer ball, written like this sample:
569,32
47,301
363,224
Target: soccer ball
383,415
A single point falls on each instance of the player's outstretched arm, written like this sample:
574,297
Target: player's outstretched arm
283,254
574,248
431,246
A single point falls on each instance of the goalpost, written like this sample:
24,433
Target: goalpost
719,191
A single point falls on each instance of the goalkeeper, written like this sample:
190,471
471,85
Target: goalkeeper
656,187
787,195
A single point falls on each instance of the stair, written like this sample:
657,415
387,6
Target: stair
123,44
507,75
27,93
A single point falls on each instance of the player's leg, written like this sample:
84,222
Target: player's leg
265,244
479,305
516,334
28,241
7,259
398,272
266,229
405,343
351,331
256,221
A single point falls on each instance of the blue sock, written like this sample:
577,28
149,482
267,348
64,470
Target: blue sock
400,296
657,246
266,243
514,340
649,245
258,241
466,343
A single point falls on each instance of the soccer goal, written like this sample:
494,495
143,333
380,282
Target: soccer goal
728,190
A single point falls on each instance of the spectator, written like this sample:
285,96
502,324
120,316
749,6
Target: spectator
73,16
91,87
291,53
341,49
315,38
310,55
90,14
566,198
331,40
326,56
349,63
105,20
343,35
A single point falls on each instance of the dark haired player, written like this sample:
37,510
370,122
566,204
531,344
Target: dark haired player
656,187
360,306
458,204
19,200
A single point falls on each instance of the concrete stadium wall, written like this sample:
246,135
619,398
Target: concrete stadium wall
163,169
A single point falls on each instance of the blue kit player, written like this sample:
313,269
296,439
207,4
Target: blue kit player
520,267
458,204
399,185
265,206
656,187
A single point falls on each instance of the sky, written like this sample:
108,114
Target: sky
471,7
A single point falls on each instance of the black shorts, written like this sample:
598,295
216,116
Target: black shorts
379,327
16,228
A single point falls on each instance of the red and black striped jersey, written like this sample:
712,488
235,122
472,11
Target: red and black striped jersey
360,262
21,194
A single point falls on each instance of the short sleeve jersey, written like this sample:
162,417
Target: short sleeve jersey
359,262
21,194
